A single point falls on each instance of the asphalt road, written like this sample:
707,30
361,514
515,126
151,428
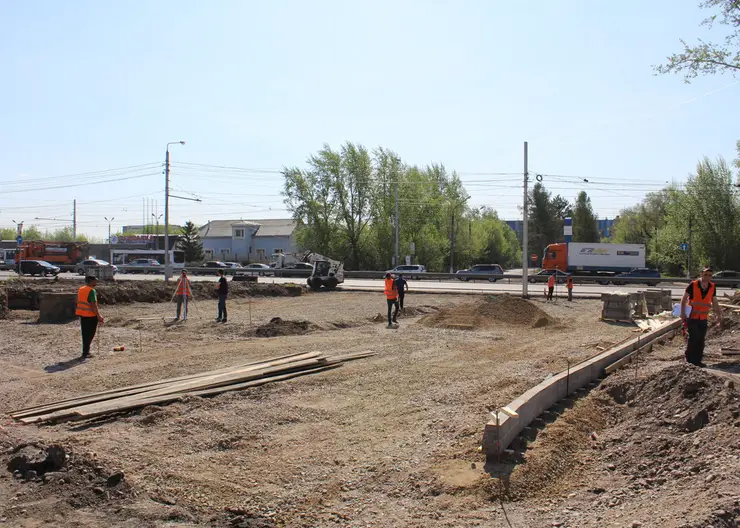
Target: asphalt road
450,286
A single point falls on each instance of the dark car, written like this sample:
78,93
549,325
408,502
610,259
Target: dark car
727,279
652,275
210,267
38,267
544,276
298,269
482,269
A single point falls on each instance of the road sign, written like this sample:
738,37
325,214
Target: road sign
19,240
534,256
114,239
684,247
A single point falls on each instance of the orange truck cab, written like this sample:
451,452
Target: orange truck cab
555,257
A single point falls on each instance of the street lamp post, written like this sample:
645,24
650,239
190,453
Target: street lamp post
156,219
110,248
17,245
452,233
167,263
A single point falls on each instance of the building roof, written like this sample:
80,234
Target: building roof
268,227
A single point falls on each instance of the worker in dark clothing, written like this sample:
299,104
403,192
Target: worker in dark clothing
391,297
701,297
223,292
89,314
402,287
570,287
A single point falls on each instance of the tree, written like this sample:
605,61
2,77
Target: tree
708,58
585,228
190,243
546,215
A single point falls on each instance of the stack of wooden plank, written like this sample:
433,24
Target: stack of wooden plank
169,390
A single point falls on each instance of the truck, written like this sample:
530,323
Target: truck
324,272
581,258
65,255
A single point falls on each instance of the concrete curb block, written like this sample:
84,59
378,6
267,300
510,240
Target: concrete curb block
541,397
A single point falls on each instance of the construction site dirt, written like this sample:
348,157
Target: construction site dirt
388,440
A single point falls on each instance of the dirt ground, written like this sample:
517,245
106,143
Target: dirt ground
390,440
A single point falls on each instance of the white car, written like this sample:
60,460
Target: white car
409,270
83,266
258,269
233,265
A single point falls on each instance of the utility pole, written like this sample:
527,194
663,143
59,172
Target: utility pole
525,229
452,241
395,258
688,271
110,248
167,264
156,240
74,221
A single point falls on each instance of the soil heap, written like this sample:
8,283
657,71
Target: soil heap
488,313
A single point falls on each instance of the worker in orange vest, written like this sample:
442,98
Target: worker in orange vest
391,297
183,293
701,296
550,286
569,285
88,312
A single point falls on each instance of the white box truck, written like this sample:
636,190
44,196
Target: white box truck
590,258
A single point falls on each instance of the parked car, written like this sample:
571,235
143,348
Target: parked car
408,269
149,265
83,266
483,269
652,275
38,267
544,276
297,269
726,276
210,267
258,269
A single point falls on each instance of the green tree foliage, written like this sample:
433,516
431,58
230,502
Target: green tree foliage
585,227
190,243
546,215
345,201
706,58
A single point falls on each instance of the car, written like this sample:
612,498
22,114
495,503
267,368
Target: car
38,267
483,269
148,265
296,269
408,269
83,266
258,269
652,275
544,276
233,265
210,267
726,278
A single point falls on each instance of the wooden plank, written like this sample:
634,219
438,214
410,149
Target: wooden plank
730,351
105,407
29,410
169,398
168,385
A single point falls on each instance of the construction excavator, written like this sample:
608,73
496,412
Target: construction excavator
325,272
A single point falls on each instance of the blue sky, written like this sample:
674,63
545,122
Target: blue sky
90,86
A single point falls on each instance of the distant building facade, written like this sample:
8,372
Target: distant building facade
247,240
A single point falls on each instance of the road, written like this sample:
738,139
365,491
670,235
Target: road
451,286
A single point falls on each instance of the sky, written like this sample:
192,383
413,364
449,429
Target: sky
93,91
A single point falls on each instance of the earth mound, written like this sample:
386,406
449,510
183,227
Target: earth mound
279,327
490,312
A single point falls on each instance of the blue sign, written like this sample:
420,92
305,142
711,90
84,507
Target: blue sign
19,240
684,247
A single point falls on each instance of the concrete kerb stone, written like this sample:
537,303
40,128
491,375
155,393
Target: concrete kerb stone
541,397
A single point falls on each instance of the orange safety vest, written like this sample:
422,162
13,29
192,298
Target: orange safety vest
551,281
390,289
183,287
700,305
570,283
84,308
